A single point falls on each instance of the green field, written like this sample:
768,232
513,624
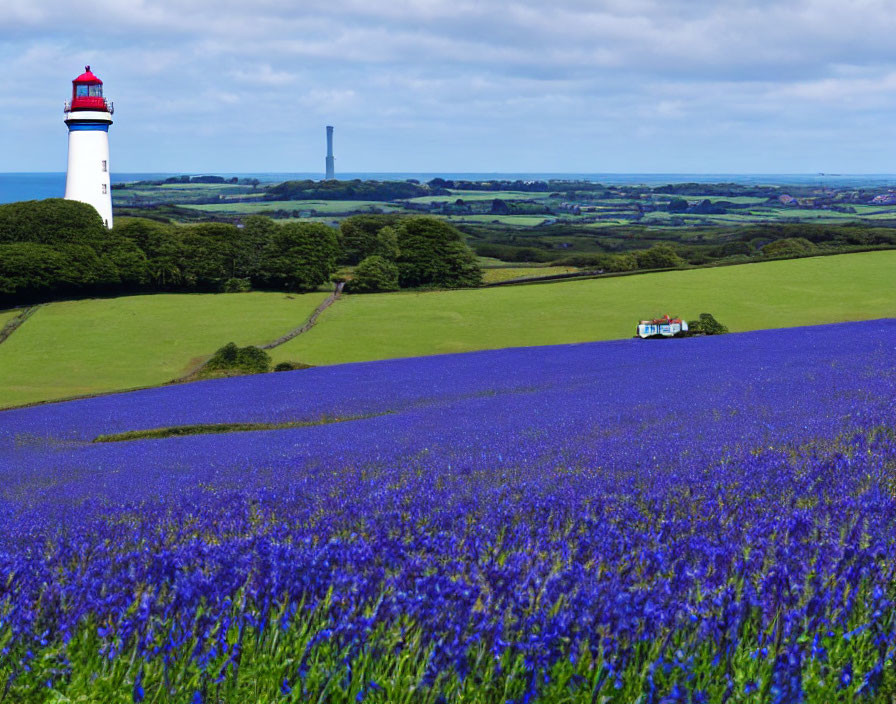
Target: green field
6,316
203,186
481,195
737,200
83,347
91,346
321,206
746,297
524,220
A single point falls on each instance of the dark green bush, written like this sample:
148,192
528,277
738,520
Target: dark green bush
706,325
240,360
509,253
235,285
361,236
606,262
52,221
374,274
789,247
660,256
291,366
432,252
298,257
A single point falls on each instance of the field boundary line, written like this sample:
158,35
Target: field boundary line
308,324
304,327
575,276
16,322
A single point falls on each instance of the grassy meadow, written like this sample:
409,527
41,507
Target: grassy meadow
497,274
71,348
481,195
6,316
518,220
91,346
747,297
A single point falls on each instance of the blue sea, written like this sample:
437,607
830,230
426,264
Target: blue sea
32,186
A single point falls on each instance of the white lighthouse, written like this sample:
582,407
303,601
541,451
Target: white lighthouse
88,117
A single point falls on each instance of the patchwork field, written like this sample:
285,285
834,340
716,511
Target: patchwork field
480,195
704,520
521,220
91,346
83,347
498,274
321,206
746,297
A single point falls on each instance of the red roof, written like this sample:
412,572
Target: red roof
88,77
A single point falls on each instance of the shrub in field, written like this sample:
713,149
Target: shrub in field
374,274
509,253
291,366
241,360
235,285
706,325
789,247
606,262
661,256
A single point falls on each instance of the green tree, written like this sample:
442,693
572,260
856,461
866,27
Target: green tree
386,244
128,260
677,205
432,252
256,232
373,274
51,221
163,248
706,325
208,254
298,257
789,247
660,256
359,236
30,269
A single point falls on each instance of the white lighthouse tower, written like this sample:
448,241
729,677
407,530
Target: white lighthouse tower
88,117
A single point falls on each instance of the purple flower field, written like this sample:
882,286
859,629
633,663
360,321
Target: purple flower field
705,519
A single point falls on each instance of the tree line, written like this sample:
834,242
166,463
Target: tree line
59,248
355,189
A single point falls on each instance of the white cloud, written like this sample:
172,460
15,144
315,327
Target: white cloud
493,82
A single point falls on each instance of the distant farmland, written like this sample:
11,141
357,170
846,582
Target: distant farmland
320,206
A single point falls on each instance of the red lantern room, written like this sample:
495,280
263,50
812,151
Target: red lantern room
87,94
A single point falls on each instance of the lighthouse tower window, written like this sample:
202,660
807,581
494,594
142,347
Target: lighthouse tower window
104,188
104,166
81,91
96,91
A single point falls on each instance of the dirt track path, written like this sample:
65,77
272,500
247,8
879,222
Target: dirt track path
305,327
328,301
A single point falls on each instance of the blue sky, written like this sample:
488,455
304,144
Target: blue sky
459,85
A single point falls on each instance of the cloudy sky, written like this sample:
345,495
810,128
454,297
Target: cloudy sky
702,86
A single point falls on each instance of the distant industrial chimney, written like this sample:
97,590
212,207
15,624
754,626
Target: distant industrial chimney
331,168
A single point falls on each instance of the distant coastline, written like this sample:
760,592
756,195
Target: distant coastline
30,186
